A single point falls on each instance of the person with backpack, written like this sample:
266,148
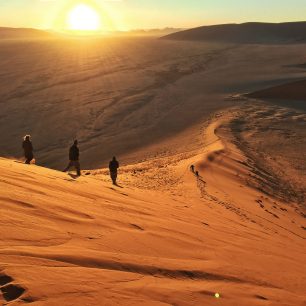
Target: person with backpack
113,170
74,155
28,149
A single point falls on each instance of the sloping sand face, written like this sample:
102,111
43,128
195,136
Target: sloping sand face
274,137
164,237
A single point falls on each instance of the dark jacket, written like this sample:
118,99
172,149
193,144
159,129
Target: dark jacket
74,153
28,148
113,166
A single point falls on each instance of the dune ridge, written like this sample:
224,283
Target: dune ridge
164,237
23,33
246,33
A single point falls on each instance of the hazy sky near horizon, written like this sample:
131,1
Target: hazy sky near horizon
136,14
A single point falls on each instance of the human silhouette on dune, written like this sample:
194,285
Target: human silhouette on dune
74,155
28,149
113,170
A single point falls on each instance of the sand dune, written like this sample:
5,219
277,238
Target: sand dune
23,33
125,96
246,33
164,237
290,94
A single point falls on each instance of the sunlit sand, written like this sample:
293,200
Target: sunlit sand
209,203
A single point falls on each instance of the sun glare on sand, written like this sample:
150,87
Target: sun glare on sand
84,18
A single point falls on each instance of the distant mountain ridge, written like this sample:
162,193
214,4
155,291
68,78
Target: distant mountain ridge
155,32
13,33
246,33
19,33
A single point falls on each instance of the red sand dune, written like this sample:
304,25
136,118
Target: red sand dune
67,241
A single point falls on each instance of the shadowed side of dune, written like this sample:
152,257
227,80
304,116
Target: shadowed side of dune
142,269
291,94
251,32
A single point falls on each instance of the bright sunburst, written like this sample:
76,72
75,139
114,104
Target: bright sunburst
83,18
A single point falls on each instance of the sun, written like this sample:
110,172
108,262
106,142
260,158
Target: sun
83,18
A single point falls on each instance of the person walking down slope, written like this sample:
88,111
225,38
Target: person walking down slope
28,149
74,154
113,169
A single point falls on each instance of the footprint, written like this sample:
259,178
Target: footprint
260,203
28,300
208,293
10,292
5,279
137,227
260,297
274,215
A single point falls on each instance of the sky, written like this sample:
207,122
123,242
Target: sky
144,14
